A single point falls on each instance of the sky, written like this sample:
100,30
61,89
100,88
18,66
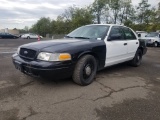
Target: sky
21,13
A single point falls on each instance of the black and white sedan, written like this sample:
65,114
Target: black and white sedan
81,53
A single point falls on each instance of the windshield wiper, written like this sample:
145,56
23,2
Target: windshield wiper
68,36
77,37
82,37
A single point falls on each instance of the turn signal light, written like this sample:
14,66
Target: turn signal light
64,56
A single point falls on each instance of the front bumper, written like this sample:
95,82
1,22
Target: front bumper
55,70
150,43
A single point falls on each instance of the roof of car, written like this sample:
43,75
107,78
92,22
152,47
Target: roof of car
141,31
107,24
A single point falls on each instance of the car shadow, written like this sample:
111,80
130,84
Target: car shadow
115,68
52,81
108,70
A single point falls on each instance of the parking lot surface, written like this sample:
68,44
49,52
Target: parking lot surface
119,92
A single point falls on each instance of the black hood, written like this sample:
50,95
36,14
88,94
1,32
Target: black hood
63,45
50,43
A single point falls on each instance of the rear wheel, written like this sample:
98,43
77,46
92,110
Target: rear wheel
155,44
85,70
28,37
137,59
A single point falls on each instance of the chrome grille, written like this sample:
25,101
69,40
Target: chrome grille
27,53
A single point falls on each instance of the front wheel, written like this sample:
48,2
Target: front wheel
85,70
137,59
28,37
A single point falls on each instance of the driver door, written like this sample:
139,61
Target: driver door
116,47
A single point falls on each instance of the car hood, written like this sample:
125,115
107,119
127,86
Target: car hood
56,43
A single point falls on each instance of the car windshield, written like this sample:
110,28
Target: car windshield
153,34
89,32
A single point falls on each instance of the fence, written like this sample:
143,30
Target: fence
55,36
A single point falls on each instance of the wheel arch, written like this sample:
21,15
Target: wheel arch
141,48
90,53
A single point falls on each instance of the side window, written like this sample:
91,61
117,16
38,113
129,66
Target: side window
6,33
116,34
159,35
129,35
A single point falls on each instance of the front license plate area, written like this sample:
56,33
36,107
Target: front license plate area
18,66
27,70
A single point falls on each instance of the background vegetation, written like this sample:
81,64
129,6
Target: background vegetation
143,17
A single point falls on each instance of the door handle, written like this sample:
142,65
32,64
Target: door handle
136,42
125,43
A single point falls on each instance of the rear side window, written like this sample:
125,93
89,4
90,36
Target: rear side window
129,35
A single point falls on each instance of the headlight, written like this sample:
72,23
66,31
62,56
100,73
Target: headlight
18,50
54,56
152,40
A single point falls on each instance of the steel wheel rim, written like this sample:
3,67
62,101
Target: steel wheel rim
88,70
155,44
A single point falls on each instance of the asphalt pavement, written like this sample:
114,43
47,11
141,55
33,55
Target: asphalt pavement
120,92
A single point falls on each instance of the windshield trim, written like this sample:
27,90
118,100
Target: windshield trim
81,37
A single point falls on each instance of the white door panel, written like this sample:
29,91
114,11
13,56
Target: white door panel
116,52
116,46
132,47
133,42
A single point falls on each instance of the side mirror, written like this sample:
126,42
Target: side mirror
109,39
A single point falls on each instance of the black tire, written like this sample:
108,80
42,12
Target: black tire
85,70
155,44
28,37
137,59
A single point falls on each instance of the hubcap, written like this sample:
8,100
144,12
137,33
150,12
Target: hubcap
138,57
155,44
88,70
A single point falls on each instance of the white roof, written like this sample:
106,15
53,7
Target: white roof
106,24
141,31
